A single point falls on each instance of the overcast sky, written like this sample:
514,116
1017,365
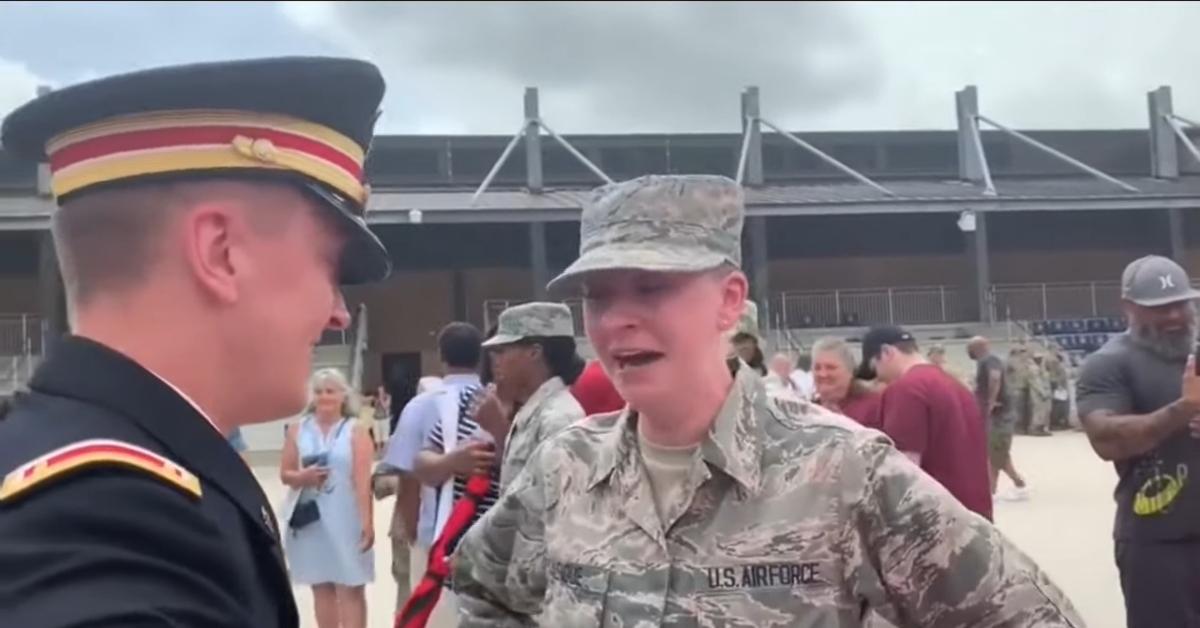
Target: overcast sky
658,67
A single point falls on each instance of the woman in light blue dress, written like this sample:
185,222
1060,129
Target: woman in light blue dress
327,458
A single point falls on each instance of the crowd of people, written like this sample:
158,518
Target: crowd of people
504,399
927,410
504,394
681,479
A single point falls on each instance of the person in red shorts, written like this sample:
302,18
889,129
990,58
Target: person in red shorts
930,416
595,391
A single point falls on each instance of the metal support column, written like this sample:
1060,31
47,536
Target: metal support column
752,126
972,162
977,249
537,259
533,142
1164,153
760,281
51,300
1175,235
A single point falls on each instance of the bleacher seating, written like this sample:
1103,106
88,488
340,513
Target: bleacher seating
1079,336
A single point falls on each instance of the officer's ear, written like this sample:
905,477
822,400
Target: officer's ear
213,250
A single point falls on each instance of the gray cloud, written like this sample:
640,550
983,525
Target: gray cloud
640,67
659,67
606,65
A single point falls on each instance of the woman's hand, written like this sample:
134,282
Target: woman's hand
367,540
492,413
312,477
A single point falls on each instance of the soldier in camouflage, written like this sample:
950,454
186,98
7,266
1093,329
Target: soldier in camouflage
707,502
747,341
1039,394
534,348
1017,378
1060,392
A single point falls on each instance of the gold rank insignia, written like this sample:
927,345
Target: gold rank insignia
94,453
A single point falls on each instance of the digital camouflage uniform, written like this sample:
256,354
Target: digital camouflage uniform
552,407
1017,379
789,515
1059,387
1039,395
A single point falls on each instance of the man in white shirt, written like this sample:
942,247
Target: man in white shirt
778,379
802,376
415,518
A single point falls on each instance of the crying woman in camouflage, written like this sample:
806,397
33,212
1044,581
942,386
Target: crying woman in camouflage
708,501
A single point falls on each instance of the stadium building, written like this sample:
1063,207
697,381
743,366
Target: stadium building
977,224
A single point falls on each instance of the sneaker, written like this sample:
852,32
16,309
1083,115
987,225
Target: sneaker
1014,494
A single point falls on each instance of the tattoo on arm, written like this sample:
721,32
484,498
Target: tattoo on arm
1117,437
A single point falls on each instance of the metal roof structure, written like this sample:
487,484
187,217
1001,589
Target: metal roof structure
396,206
1171,181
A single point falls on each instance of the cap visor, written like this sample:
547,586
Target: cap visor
364,258
498,340
664,258
1190,295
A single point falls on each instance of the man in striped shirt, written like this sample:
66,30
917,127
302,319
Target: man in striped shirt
472,454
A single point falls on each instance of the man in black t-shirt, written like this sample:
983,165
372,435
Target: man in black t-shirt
1137,397
991,392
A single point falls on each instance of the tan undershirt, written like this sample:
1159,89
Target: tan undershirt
667,468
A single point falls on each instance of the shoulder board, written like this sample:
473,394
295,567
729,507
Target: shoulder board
96,453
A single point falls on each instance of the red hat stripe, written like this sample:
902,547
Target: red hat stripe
204,135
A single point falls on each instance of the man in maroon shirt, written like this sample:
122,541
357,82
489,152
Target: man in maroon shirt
930,416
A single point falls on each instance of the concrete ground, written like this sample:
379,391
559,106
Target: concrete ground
1066,526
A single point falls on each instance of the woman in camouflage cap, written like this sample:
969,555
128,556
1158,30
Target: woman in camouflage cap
533,356
706,501
747,341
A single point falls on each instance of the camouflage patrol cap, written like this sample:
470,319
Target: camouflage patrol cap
662,223
532,320
748,321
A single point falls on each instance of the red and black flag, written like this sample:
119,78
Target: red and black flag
424,598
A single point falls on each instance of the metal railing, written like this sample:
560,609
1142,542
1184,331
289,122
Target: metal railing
21,334
493,307
1048,301
335,337
22,338
906,305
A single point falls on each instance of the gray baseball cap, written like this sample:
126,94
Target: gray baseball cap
1154,280
532,320
664,223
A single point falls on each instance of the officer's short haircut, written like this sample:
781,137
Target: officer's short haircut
459,345
108,239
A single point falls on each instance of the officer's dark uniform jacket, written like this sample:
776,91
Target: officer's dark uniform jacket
106,544
120,504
